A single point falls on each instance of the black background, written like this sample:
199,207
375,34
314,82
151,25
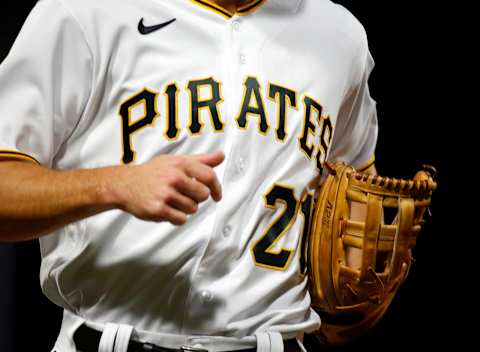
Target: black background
409,43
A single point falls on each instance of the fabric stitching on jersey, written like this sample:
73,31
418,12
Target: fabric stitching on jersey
92,78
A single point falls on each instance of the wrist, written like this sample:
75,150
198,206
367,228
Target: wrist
108,192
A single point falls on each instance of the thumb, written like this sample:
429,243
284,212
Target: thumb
211,159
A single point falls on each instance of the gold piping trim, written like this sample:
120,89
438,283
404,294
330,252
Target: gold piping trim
248,8
367,165
211,6
11,154
242,11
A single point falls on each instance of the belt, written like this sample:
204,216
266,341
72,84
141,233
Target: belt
87,340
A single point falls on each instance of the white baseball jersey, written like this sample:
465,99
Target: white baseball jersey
279,86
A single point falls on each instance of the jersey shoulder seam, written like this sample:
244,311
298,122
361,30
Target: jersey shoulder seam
90,50
80,26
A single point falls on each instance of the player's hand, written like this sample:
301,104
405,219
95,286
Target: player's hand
169,187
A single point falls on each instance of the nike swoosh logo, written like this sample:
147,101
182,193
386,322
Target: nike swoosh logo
149,29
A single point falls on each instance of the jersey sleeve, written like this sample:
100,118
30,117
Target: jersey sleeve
356,130
45,83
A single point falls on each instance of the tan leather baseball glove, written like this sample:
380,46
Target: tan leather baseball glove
350,298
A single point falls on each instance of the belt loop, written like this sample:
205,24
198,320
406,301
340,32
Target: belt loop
276,341
123,338
263,342
107,342
269,342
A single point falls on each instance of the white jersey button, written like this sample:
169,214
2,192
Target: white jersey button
243,59
236,25
226,231
206,296
241,164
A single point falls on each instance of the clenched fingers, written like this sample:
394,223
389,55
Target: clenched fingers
205,175
181,202
174,216
192,189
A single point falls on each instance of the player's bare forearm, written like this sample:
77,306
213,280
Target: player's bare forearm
36,200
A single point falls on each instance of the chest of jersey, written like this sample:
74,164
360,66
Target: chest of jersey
182,81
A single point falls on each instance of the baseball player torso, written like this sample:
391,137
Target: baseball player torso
266,86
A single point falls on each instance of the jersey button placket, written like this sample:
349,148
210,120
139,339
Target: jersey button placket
236,29
241,164
201,298
242,58
236,25
243,68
